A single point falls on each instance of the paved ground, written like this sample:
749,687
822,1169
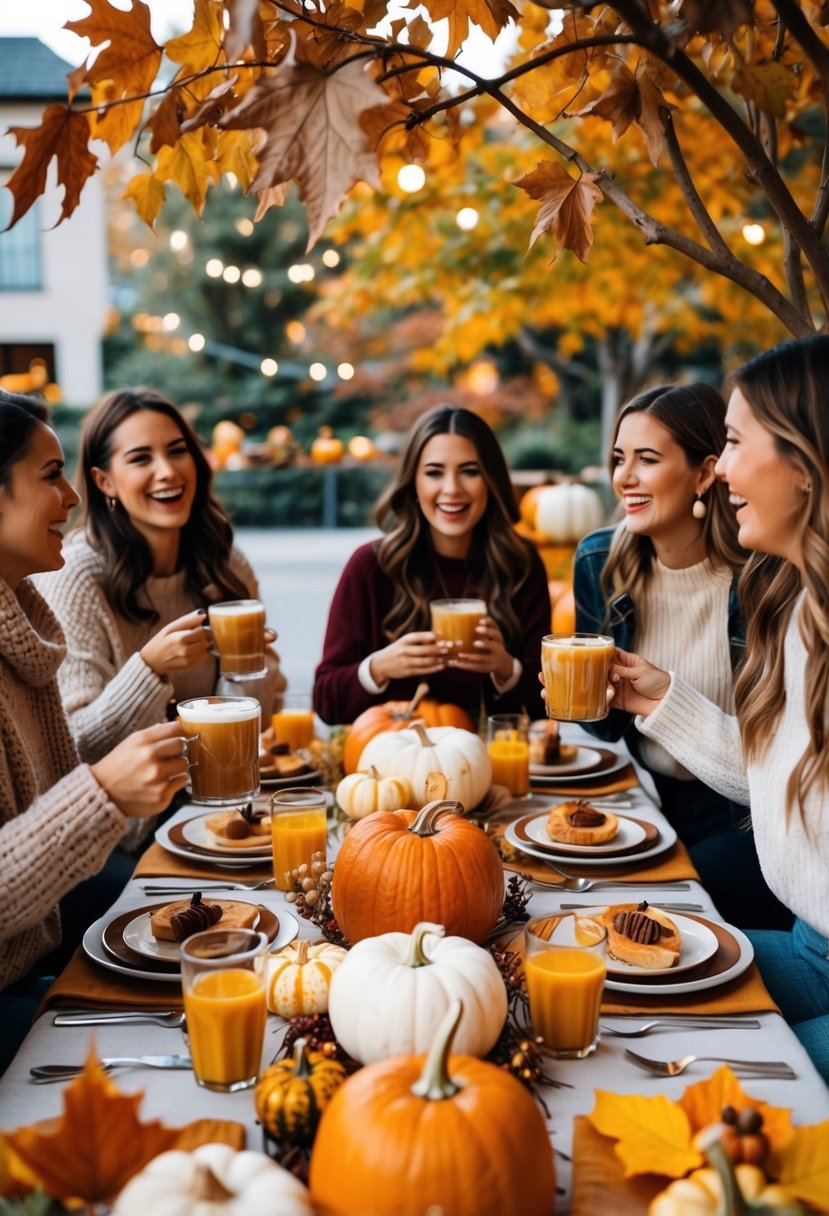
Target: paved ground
298,570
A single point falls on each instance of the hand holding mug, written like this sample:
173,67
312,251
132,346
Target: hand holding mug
143,772
488,656
638,686
182,644
415,654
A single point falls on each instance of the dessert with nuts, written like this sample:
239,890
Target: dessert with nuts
240,828
176,921
641,936
578,822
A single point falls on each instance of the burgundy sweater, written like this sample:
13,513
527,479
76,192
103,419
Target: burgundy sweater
361,601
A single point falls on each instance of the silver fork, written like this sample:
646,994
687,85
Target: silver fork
161,889
571,883
688,1023
772,1069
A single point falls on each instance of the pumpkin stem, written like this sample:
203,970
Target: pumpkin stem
302,952
420,730
434,1082
733,1202
416,956
301,1066
427,816
207,1187
420,693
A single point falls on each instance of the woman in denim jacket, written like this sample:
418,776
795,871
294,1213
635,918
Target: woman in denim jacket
664,582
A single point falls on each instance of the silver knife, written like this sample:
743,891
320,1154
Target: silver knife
659,904
61,1072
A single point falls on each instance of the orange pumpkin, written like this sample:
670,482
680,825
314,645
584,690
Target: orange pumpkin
397,868
557,559
564,613
459,1134
398,715
327,448
529,503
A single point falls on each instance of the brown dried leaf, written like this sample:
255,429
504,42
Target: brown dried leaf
272,196
567,204
649,120
213,107
490,15
768,85
633,99
312,133
166,120
244,29
723,16
63,134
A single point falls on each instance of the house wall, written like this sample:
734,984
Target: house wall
70,311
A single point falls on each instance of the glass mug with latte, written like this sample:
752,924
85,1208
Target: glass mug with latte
238,628
222,735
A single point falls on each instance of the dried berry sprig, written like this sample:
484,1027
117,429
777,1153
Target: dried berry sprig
518,1049
311,897
516,899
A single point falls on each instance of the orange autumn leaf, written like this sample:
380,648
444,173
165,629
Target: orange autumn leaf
64,135
653,1135
633,99
567,203
802,1164
490,15
148,194
98,1144
703,1103
201,46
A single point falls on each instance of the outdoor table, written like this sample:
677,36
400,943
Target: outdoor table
175,1098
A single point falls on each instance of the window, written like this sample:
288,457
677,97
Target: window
20,260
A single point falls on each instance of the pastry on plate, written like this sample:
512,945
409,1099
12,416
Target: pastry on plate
577,822
173,922
240,828
641,936
546,748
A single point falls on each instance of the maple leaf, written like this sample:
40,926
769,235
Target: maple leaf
768,85
271,196
803,1165
188,164
567,204
166,120
653,1135
703,1103
233,153
98,1144
64,134
201,46
148,194
632,99
490,15
312,134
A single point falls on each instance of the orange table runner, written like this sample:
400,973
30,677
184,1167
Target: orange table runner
84,984
158,862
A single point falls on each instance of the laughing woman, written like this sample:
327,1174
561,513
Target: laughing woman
58,819
450,512
776,466
664,581
156,548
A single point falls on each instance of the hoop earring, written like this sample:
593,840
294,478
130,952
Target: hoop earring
699,510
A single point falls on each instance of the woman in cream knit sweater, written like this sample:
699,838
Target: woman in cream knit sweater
776,466
58,819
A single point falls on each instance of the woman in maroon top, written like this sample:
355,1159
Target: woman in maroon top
449,513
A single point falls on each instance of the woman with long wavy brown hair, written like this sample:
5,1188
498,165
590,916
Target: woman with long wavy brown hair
449,513
154,549
776,466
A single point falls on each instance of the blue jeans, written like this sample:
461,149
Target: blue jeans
795,969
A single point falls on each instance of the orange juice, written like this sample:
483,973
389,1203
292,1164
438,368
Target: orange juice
565,988
225,1013
294,727
576,668
296,836
510,764
454,622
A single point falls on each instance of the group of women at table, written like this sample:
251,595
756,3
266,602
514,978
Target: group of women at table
718,572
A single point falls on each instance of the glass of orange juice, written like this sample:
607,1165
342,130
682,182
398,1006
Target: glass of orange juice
565,972
298,831
576,667
509,752
223,981
294,723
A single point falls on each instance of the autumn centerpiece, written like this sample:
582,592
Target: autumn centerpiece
399,715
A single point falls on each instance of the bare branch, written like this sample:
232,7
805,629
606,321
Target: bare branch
695,204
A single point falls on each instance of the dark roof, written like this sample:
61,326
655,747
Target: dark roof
30,71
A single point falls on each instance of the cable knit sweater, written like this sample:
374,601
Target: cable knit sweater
108,690
57,825
707,741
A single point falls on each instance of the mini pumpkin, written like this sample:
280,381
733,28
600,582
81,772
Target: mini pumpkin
397,868
298,977
389,995
213,1179
292,1093
461,1135
417,753
399,715
360,794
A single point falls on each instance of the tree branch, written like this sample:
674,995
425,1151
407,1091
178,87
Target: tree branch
695,204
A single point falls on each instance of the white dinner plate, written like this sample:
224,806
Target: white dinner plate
224,859
585,757
278,783
94,948
629,836
698,943
195,831
138,935
594,774
738,954
665,840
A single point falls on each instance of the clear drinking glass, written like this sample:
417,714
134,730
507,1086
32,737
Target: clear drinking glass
222,735
298,830
565,971
576,667
294,722
454,623
238,628
509,752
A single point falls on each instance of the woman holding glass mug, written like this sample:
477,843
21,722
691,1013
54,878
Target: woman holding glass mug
450,512
775,463
154,551
58,819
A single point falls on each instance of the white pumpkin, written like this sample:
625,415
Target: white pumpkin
299,976
389,995
417,753
565,513
359,794
214,1178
